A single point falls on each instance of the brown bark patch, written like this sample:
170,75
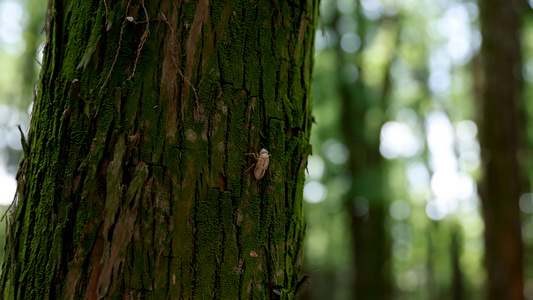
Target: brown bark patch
169,87
202,11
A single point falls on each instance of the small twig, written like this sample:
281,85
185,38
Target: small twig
143,40
173,40
23,142
21,174
9,209
147,21
105,4
118,49
193,89
303,283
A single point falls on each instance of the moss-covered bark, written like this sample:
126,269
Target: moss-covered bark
133,184
499,92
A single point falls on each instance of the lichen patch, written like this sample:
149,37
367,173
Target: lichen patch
191,135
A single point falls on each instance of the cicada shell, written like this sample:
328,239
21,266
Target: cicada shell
262,164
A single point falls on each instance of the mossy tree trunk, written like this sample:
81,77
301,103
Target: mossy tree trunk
499,92
133,183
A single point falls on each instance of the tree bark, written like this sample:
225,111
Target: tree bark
133,183
499,91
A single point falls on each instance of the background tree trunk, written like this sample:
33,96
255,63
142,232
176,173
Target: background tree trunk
133,184
499,92
367,200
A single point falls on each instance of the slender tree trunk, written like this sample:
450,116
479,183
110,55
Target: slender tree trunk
366,201
456,243
133,184
499,92
371,241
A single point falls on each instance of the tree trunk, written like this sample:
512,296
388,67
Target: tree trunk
499,93
366,201
456,244
133,183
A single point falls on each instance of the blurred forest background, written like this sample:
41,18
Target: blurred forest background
392,203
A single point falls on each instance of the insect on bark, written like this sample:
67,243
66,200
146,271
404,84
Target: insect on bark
261,164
